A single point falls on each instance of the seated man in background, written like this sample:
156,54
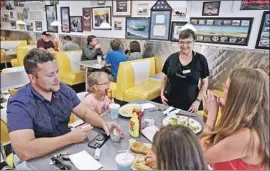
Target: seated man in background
115,56
69,45
92,49
45,43
38,114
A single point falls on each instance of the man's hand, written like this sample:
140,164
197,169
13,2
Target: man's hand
111,125
97,46
80,133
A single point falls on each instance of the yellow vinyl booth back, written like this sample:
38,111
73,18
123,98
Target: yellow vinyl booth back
67,74
22,51
127,90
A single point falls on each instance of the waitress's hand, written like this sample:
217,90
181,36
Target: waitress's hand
194,107
164,99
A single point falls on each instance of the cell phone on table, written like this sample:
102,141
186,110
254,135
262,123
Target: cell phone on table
98,141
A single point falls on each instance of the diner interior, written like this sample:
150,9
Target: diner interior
135,85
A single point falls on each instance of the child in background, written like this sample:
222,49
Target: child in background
134,51
115,56
98,87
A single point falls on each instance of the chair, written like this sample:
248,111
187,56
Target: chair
69,70
133,81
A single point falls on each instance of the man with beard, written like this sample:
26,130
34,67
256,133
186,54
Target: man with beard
38,114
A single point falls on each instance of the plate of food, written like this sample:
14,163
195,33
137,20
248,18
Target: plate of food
139,150
128,109
189,122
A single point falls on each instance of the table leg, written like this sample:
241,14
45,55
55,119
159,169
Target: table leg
86,71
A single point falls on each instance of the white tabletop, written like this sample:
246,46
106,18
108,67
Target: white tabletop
91,64
157,77
13,80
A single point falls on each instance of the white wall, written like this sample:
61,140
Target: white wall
231,9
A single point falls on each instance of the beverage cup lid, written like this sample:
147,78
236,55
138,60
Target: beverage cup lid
114,106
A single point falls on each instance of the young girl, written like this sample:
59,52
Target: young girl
134,51
241,140
176,148
98,87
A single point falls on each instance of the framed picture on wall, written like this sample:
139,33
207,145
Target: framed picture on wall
142,9
29,26
263,36
65,16
255,5
87,17
51,15
101,18
211,8
13,24
137,28
232,31
160,25
176,30
38,25
76,23
101,2
122,8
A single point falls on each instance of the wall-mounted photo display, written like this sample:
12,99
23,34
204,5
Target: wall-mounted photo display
122,8
255,5
87,19
233,31
263,36
176,30
161,13
13,24
101,2
142,9
101,18
11,14
51,15
30,26
76,23
137,28
179,14
38,25
211,8
118,25
65,22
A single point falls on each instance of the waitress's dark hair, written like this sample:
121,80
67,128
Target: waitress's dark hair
177,148
187,33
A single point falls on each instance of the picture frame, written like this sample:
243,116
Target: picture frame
137,28
13,24
101,2
255,5
122,8
218,30
87,19
51,15
175,30
76,24
118,25
179,14
65,19
11,14
211,8
143,9
101,18
263,35
30,26
160,25
38,25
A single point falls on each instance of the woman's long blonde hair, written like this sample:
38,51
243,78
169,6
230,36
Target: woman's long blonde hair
247,106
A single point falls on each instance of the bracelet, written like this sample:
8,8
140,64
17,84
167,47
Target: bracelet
198,100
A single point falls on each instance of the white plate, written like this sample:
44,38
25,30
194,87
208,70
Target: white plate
195,123
128,105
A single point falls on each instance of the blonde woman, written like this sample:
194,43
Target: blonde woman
241,140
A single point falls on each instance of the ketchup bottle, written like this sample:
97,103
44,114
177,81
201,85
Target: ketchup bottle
140,113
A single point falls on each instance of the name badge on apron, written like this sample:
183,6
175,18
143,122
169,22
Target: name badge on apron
186,71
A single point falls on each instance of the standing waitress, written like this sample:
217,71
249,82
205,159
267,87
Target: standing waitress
182,72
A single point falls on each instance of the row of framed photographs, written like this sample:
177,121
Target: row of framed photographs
29,25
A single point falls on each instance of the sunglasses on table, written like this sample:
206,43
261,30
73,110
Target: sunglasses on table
59,164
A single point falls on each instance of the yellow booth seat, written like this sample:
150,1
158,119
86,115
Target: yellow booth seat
133,81
22,51
12,45
70,72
